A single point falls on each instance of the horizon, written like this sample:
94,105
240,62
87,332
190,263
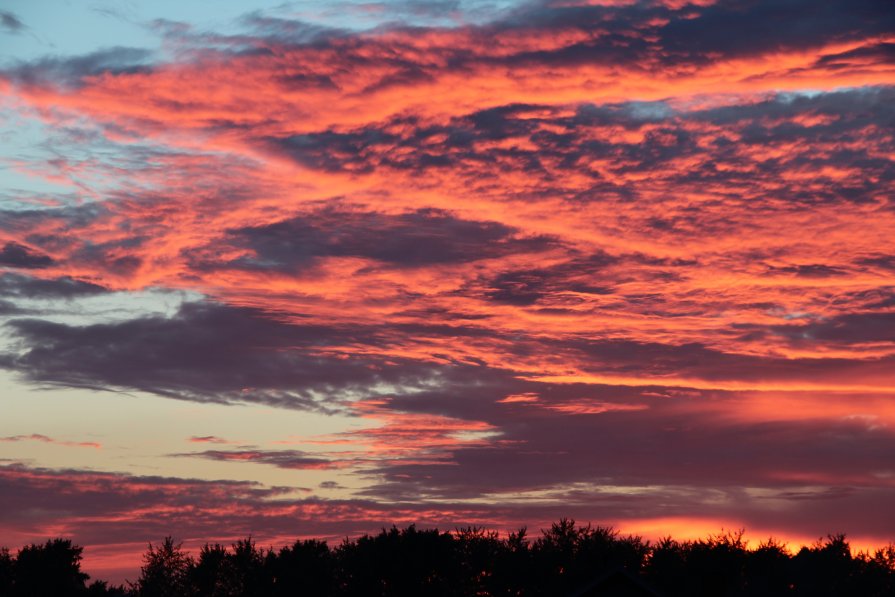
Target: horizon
125,575
313,269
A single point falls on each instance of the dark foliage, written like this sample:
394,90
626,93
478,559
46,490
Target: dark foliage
48,570
470,562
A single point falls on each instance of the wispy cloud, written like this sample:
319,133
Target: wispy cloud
10,22
37,437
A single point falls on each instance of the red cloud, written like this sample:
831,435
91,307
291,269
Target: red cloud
43,438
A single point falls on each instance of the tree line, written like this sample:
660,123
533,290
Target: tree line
470,562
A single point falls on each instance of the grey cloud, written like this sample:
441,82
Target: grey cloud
71,71
210,352
17,255
286,459
10,22
665,444
19,286
106,508
414,239
847,328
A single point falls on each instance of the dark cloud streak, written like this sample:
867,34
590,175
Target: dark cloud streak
17,255
11,22
415,239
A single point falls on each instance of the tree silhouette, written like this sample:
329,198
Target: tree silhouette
766,572
666,566
247,562
52,568
567,556
211,574
564,560
826,568
477,551
397,562
165,571
879,571
101,588
717,564
305,568
513,570
6,571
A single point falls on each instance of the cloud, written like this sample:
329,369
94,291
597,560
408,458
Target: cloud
201,354
76,71
120,513
10,22
415,239
746,24
846,329
288,31
32,499
49,440
19,286
8,308
286,459
17,255
104,509
207,439
529,286
880,260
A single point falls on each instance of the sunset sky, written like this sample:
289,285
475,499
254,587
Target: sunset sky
312,268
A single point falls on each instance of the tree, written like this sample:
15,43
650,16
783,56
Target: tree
470,562
165,571
716,565
477,552
6,571
247,562
305,568
51,569
570,556
211,575
513,569
398,563
101,588
825,569
666,566
767,570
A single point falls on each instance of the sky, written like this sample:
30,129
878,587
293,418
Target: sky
309,269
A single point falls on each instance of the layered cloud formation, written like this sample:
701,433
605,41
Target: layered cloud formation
625,261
